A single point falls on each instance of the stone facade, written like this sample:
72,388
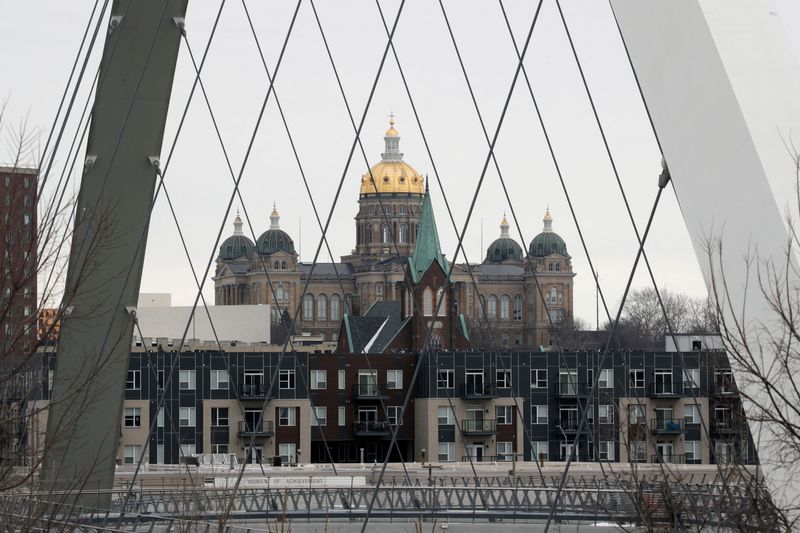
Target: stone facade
519,310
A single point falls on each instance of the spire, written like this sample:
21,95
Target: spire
237,224
392,140
548,221
274,218
427,249
504,228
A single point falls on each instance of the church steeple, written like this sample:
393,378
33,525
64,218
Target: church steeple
392,140
427,248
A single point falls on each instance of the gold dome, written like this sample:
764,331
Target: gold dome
391,132
393,176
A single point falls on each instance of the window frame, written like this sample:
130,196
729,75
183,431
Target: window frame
319,416
504,383
290,418
536,414
450,378
449,418
216,381
136,382
507,416
537,380
190,383
220,414
187,417
394,379
132,417
316,382
286,379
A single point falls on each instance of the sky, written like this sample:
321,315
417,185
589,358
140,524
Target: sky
47,34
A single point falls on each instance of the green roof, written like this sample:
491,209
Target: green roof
503,249
234,247
547,243
427,248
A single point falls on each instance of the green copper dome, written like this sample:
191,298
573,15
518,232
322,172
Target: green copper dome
504,248
547,242
236,246
275,240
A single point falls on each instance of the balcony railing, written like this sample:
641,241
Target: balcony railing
663,390
372,428
501,458
571,390
256,391
479,427
726,426
672,458
478,391
569,424
370,391
265,428
668,425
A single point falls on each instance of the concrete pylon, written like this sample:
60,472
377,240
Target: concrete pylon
108,246
721,85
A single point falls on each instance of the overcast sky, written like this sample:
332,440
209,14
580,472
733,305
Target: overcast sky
41,38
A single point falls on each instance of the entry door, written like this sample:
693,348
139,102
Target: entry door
664,451
475,419
253,382
368,415
566,451
368,382
475,452
251,418
255,454
474,381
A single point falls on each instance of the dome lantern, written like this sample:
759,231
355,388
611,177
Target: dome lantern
275,239
392,140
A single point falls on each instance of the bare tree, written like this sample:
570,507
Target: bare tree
765,358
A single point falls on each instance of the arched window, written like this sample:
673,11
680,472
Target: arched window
379,292
322,307
280,293
550,267
275,265
518,307
558,267
283,264
505,305
492,307
336,313
385,233
553,295
427,302
436,341
441,302
308,307
403,234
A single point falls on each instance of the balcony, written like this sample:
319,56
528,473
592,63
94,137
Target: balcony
256,391
663,390
572,390
263,429
726,426
569,425
371,428
479,427
478,391
667,426
370,391
676,459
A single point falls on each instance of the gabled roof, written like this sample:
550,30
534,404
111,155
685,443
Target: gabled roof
373,332
427,249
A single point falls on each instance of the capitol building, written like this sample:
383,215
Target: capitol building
389,207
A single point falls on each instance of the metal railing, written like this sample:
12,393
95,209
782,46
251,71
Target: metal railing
265,428
371,428
567,389
256,390
673,458
370,391
479,427
668,425
663,390
475,391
